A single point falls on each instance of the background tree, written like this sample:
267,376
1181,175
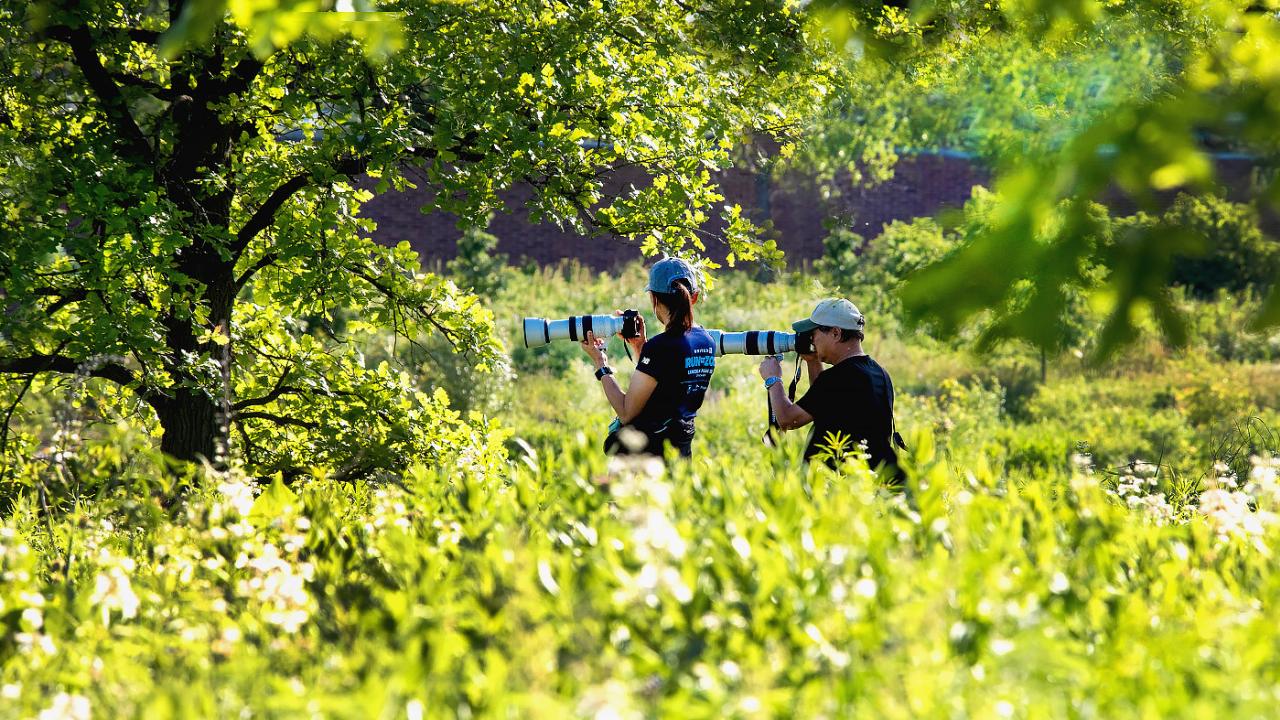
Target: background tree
177,193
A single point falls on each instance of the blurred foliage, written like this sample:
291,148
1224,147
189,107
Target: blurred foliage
878,267
1072,102
978,79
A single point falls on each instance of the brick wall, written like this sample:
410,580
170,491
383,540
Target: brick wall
922,185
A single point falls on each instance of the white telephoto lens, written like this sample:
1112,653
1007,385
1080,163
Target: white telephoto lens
539,331
752,342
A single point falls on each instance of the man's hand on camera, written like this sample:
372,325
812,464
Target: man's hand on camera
594,348
770,367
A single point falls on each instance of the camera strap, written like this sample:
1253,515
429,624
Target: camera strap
773,430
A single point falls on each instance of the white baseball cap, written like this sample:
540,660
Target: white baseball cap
832,312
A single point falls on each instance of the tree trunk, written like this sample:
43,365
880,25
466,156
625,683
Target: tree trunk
197,423
192,427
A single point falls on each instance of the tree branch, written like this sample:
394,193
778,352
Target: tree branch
140,35
114,372
263,261
4,429
242,76
150,87
279,389
266,213
277,419
107,91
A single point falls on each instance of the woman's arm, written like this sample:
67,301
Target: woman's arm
627,404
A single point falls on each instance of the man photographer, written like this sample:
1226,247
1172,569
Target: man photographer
853,398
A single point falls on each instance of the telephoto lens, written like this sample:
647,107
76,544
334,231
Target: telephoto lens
753,342
540,331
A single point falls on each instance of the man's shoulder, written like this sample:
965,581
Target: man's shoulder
857,372
863,363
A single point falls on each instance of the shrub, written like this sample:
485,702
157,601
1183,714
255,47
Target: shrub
477,267
1238,255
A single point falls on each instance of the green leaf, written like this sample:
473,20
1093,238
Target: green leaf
276,502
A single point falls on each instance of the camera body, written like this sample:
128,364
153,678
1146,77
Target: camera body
630,326
804,343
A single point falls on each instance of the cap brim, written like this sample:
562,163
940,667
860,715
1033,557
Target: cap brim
804,325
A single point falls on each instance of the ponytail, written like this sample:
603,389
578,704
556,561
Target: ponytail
679,305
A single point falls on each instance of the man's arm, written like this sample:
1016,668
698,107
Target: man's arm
789,415
814,366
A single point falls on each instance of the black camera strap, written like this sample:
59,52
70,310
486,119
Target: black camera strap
772,432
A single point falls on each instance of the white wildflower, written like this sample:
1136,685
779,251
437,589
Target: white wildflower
27,642
66,707
1229,514
1000,646
1059,584
1264,482
1083,463
239,495
32,618
113,591
865,588
279,585
609,701
654,533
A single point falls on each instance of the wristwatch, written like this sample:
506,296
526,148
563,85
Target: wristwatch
770,382
606,370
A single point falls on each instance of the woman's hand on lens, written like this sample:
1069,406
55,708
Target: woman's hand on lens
594,348
770,367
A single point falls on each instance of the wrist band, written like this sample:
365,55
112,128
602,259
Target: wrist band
601,372
770,382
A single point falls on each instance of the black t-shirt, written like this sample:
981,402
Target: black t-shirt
682,364
853,397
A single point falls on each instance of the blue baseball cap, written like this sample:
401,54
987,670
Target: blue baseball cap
664,274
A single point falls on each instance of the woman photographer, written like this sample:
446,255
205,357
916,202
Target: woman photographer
672,369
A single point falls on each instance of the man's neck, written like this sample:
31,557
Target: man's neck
854,350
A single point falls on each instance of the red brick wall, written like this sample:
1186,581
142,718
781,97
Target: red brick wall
922,185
